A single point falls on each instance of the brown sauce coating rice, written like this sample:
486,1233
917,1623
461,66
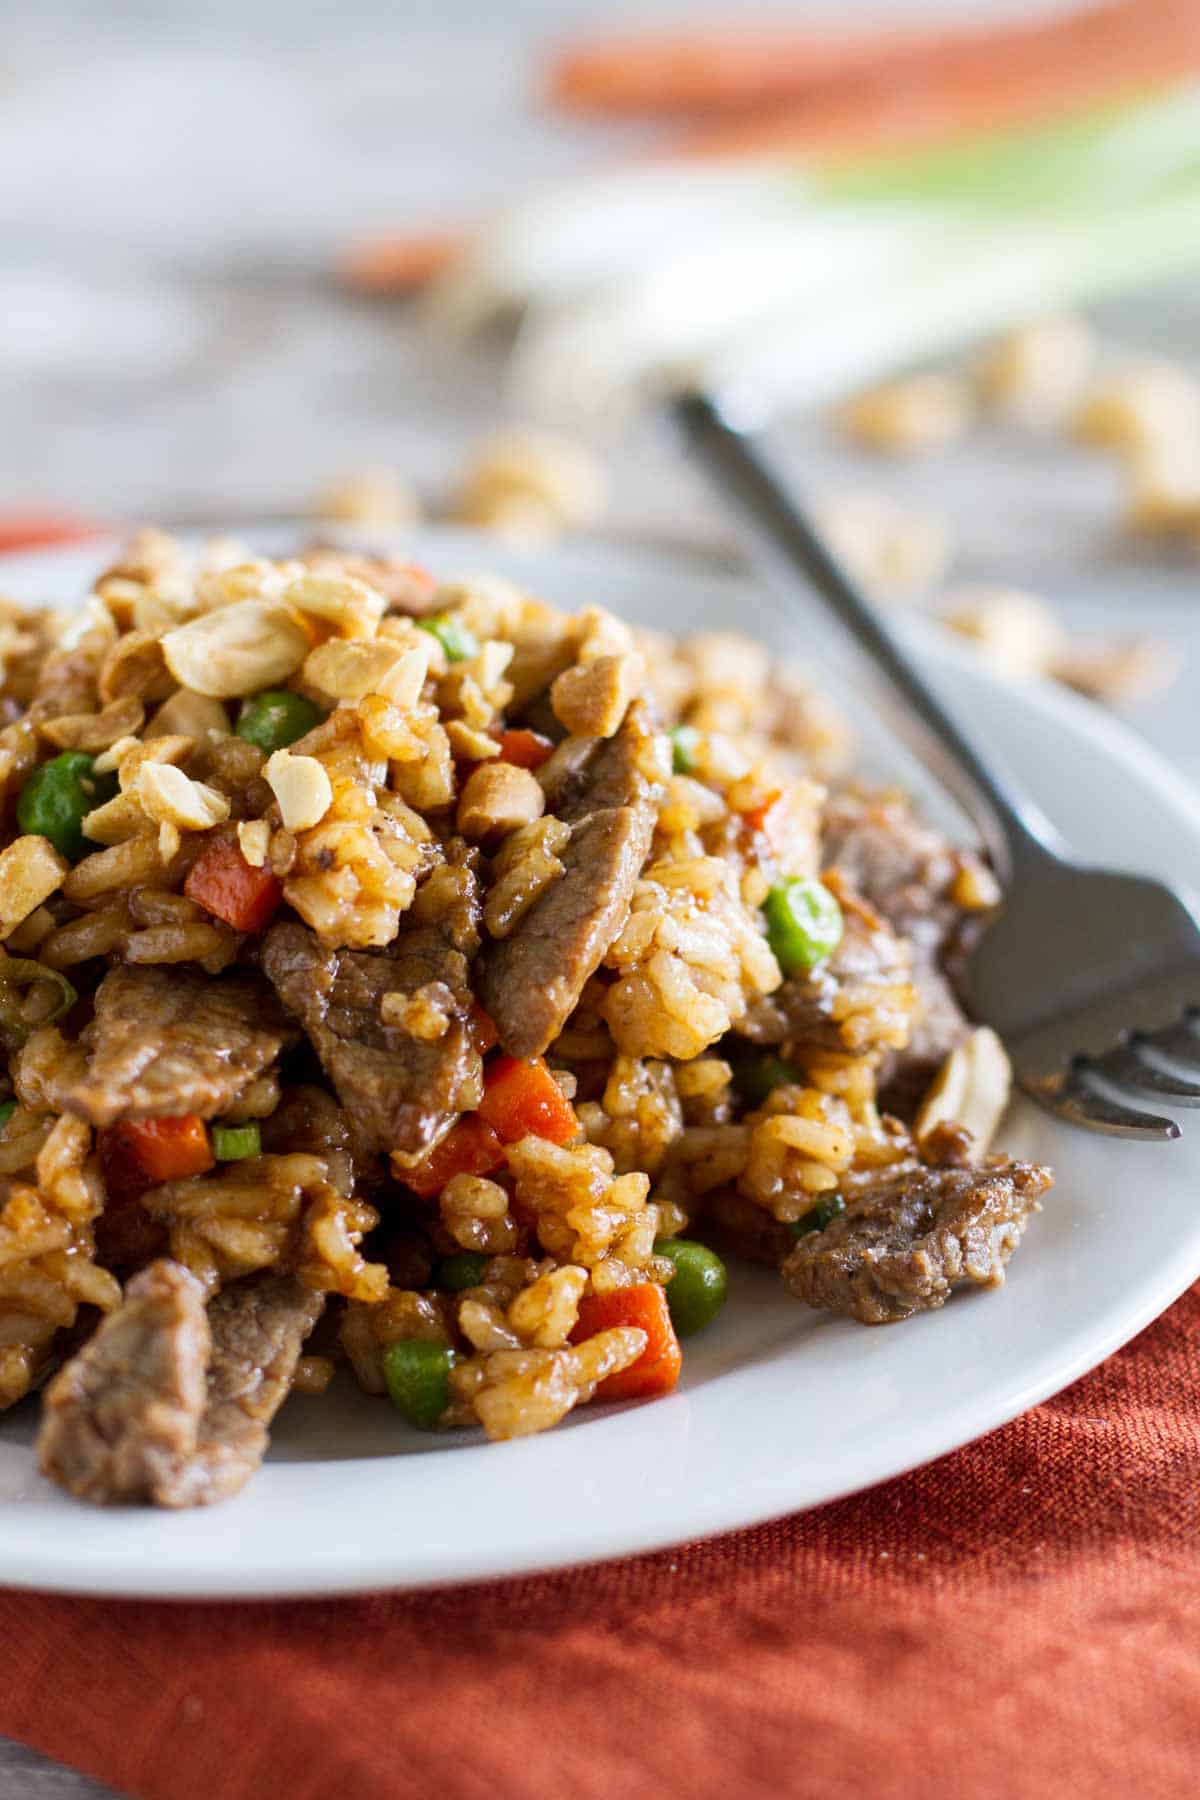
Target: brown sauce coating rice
478,829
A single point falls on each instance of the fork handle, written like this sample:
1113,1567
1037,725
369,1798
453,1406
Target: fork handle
1013,828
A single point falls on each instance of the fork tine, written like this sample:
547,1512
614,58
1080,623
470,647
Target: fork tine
1129,1066
1179,1042
1076,1101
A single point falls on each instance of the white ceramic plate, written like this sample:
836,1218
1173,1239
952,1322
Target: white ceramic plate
779,1408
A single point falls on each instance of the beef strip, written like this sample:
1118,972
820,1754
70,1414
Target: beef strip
165,1041
400,1090
906,870
170,1402
121,1416
901,1246
258,1330
895,860
530,982
802,1009
588,775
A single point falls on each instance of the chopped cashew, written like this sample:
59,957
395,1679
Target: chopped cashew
497,798
191,715
302,788
371,497
912,413
1016,632
351,606
592,698
971,1089
1138,404
1036,374
31,869
239,649
347,669
529,484
170,797
254,840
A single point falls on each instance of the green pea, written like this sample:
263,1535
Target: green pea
7,1109
804,923
456,640
458,1272
685,744
696,1291
418,1380
58,797
818,1216
233,1143
757,1075
276,718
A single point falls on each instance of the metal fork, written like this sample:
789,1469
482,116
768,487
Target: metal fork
1091,977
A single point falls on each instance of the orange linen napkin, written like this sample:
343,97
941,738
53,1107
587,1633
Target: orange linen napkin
1020,1619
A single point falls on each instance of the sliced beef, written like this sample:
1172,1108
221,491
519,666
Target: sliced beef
400,1090
171,1402
806,1008
530,982
588,775
901,1246
258,1330
164,1042
898,863
906,870
121,1417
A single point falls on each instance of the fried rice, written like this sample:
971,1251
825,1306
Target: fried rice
257,991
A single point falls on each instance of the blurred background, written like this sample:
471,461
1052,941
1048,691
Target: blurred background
212,218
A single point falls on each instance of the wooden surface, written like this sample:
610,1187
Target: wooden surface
172,189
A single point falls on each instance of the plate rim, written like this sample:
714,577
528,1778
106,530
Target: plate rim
58,1569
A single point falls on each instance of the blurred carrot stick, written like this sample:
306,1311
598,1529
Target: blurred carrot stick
745,68
1153,45
714,71
398,263
904,97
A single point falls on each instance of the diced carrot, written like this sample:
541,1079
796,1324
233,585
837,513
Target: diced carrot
522,1099
657,1369
34,529
483,1031
527,749
138,1154
422,580
470,1147
224,884
769,818
399,264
